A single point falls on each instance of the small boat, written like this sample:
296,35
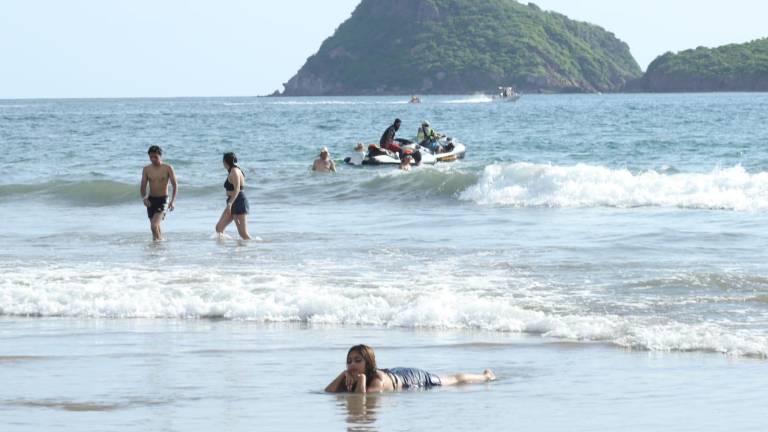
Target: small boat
507,94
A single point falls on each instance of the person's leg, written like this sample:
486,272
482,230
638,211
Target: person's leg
156,220
466,378
436,147
241,222
224,221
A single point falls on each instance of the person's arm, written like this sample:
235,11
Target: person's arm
361,387
143,187
333,387
175,185
333,166
376,386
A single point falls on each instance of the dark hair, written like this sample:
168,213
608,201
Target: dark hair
230,159
369,356
397,121
156,150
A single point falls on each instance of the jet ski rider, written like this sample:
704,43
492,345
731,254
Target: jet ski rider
427,137
387,141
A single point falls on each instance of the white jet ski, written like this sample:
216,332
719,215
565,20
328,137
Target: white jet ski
379,156
450,150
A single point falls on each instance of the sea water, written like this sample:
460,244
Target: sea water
605,254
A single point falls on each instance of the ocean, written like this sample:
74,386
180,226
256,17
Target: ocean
603,254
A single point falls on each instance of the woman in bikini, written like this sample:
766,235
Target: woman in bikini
362,376
237,204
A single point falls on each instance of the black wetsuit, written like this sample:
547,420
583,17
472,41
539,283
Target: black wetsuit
388,137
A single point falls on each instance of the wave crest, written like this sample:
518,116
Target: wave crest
95,290
425,182
534,185
94,193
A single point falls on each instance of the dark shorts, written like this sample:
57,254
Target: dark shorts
413,378
157,205
240,206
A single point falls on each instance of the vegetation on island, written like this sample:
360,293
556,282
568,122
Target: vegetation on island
735,67
463,46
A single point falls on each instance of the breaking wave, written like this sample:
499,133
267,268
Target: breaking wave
532,185
104,291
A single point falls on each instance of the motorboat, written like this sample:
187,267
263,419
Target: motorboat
507,94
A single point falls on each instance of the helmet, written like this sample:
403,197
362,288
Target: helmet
425,123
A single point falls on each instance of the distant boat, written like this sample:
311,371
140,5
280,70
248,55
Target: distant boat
415,100
507,94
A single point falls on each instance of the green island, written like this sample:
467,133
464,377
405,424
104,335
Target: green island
735,67
462,47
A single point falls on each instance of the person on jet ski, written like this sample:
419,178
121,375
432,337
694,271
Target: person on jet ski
387,140
427,137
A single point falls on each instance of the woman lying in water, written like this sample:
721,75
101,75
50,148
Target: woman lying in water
362,376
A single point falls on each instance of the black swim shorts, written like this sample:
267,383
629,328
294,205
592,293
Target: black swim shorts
157,205
413,378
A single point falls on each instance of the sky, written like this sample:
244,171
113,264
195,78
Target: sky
170,48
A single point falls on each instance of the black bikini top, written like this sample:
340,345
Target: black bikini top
229,186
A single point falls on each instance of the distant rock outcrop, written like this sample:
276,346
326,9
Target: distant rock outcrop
463,46
736,67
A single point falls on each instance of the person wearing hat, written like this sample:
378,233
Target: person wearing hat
427,137
324,162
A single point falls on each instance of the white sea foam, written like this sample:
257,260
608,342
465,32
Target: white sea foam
475,99
532,185
262,296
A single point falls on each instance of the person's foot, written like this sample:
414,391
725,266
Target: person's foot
489,375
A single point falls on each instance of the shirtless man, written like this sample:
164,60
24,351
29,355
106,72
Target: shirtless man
158,175
324,163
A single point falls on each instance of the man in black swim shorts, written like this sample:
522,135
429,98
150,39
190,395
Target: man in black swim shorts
157,174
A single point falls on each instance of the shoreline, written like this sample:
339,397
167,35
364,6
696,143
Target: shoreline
235,375
162,98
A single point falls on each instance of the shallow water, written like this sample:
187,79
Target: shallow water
578,227
200,375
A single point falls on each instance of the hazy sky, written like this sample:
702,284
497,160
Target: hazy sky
133,48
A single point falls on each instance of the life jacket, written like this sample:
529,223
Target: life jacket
422,135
